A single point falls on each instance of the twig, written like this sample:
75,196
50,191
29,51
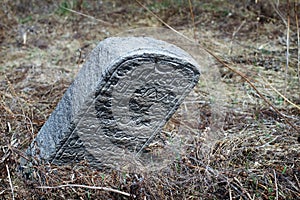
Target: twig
243,76
88,16
215,173
276,187
234,34
286,99
279,13
14,94
230,195
193,20
298,39
287,24
238,191
267,143
247,193
10,183
297,180
287,48
163,22
86,186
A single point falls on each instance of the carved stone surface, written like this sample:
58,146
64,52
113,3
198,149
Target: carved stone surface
118,103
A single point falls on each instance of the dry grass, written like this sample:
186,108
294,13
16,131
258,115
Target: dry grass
234,145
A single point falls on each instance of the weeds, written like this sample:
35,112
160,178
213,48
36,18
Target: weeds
67,5
256,157
166,4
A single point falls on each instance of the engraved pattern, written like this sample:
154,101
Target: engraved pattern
118,104
136,102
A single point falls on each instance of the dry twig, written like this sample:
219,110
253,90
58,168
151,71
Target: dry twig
10,183
241,186
88,16
243,76
276,187
287,48
234,34
193,19
287,24
88,187
298,39
281,95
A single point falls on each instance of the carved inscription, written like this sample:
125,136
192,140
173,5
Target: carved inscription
133,106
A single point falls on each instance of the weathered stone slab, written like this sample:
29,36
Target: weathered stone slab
118,103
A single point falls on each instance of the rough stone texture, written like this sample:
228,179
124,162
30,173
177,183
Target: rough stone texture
118,103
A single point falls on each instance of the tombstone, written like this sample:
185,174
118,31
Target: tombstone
118,104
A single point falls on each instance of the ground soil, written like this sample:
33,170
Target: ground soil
241,140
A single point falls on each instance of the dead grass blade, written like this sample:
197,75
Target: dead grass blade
193,19
276,186
14,95
281,95
287,24
88,187
241,186
163,22
10,183
88,16
278,12
234,34
287,48
243,76
298,39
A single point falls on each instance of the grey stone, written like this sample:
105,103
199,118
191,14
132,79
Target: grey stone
119,102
